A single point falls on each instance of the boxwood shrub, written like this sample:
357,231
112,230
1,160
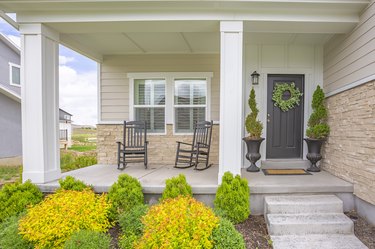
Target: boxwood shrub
125,194
50,223
70,183
226,236
15,197
232,198
176,186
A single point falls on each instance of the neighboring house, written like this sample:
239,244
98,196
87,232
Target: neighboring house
10,104
174,62
65,129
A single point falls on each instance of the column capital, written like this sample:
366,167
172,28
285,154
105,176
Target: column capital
39,29
231,26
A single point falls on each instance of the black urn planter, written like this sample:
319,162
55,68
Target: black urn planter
253,155
313,155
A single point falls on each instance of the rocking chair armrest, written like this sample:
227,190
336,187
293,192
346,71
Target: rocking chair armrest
184,143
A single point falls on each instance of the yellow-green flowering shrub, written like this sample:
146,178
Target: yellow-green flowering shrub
50,223
182,222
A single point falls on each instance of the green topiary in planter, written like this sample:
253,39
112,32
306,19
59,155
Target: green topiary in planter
317,124
253,126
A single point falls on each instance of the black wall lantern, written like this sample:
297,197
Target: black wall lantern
255,78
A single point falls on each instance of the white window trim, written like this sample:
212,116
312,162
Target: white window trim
132,106
11,74
169,97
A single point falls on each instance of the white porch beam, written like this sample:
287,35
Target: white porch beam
40,103
231,104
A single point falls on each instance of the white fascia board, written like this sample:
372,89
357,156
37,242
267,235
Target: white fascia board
10,94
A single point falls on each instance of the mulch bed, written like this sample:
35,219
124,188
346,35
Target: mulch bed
363,230
254,231
115,232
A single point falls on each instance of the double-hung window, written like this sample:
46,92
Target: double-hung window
176,98
14,74
190,103
149,103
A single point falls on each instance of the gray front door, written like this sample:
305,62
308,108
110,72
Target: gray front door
284,129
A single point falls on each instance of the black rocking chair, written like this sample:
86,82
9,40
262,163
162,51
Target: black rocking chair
198,151
134,147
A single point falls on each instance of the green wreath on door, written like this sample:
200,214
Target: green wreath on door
287,104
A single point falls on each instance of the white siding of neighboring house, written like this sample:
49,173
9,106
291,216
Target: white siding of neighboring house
282,59
351,58
114,88
67,126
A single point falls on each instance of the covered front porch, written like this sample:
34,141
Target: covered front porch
205,183
142,38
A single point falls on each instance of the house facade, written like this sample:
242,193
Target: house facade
174,62
65,133
10,106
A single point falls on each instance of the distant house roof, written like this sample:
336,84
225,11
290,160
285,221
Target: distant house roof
64,115
9,93
10,43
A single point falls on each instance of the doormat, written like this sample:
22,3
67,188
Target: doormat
285,172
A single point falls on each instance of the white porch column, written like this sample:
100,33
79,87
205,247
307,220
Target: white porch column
231,97
40,103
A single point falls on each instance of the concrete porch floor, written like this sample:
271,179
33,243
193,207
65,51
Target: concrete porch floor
204,183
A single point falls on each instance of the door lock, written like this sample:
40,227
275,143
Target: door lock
268,118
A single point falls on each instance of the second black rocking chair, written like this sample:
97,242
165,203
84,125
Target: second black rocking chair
134,145
189,155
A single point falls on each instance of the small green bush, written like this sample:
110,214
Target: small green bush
253,126
86,239
9,237
176,186
226,236
16,197
70,183
125,194
232,198
317,124
131,222
128,241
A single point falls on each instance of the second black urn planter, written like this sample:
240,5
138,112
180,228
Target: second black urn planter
253,155
314,146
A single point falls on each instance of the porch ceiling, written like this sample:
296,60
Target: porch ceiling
97,27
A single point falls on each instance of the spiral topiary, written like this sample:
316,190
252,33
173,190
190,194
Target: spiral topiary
253,126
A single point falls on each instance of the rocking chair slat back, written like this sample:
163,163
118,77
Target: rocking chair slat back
202,134
135,134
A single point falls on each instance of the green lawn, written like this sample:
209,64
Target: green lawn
9,173
83,148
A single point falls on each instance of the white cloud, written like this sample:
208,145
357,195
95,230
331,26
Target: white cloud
63,60
78,95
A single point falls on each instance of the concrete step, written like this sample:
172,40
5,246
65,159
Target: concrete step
306,224
296,204
317,241
285,164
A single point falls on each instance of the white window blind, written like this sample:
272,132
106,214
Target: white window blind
190,103
149,103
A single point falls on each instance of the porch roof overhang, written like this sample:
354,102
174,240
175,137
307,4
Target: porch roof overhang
97,27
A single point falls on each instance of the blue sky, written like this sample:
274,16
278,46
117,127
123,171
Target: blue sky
78,80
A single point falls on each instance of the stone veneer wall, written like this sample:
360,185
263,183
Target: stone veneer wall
161,148
350,149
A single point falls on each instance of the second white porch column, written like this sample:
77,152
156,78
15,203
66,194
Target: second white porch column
40,103
231,103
